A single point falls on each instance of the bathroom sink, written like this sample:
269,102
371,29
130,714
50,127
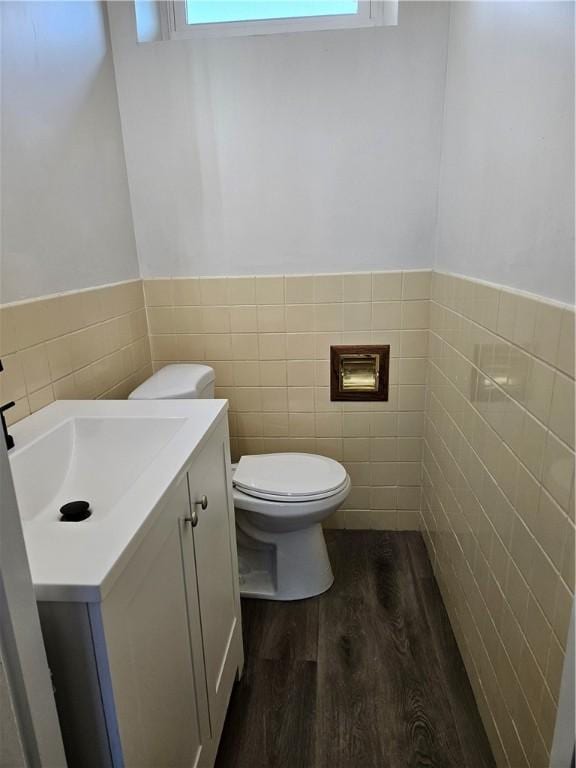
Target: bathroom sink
119,456
92,459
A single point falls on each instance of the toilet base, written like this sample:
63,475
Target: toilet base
288,566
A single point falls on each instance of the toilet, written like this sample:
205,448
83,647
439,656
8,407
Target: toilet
280,500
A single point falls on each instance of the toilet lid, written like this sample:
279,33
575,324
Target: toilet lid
289,476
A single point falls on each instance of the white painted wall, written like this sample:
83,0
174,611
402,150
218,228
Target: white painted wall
506,203
66,219
288,153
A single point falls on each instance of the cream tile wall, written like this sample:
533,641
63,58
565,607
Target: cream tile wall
268,338
498,499
83,344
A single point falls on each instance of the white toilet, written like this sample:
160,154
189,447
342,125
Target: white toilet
280,501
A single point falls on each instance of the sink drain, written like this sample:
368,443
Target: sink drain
75,511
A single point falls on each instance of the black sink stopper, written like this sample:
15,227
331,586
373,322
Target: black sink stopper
75,511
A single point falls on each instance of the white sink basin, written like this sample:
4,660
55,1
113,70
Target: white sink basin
90,459
121,456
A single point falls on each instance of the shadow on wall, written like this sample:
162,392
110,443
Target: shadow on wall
67,221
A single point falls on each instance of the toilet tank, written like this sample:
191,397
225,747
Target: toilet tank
185,381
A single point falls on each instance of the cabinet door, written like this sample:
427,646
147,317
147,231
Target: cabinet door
216,572
146,625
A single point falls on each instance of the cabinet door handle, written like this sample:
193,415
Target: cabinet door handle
193,519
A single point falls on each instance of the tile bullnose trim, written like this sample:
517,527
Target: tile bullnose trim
507,289
71,292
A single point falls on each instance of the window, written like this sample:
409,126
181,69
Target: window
206,12
223,18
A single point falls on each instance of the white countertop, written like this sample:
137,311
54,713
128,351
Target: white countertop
80,561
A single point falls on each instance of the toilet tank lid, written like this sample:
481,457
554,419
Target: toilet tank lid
185,380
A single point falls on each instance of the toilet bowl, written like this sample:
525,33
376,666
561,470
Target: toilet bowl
280,501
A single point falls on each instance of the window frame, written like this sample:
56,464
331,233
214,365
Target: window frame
371,13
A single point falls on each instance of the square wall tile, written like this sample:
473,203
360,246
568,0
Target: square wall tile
566,343
357,287
531,446
412,370
191,347
547,332
272,346
558,470
274,399
525,322
275,424
416,285
59,353
551,529
384,497
243,320
357,317
538,391
299,289
300,346
218,346
40,398
301,399
506,314
161,319
186,292
328,317
328,288
386,285
300,318
415,315
158,293
273,373
246,373
199,320
19,411
269,290
329,425
12,382
562,409
301,424
244,346
213,291
213,319
414,343
35,367
241,290
386,315
8,330
271,319
301,373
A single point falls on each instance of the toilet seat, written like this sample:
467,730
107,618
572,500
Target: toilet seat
289,477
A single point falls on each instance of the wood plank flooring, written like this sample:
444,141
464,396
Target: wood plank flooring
367,675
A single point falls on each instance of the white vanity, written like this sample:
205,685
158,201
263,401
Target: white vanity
139,603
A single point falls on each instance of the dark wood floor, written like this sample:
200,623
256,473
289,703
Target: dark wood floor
367,675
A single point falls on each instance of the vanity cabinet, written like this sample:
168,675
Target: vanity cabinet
143,678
